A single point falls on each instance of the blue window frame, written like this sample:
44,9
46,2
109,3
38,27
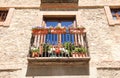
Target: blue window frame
67,37
53,38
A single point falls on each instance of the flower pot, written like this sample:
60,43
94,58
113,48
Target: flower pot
80,54
84,54
40,31
76,30
75,54
35,54
58,30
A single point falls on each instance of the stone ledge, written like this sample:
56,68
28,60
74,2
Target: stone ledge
108,67
58,60
59,1
12,69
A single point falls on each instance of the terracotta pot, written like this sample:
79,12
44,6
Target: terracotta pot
75,54
76,30
58,30
39,31
35,54
84,54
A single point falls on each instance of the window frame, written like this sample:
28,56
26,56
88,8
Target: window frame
8,17
60,20
110,18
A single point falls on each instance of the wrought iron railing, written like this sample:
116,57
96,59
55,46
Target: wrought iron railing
68,42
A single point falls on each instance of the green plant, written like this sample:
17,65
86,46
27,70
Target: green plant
35,50
69,46
80,50
46,47
83,50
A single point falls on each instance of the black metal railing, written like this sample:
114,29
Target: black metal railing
59,45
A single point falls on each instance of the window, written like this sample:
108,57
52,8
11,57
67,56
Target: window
53,38
6,16
113,15
3,15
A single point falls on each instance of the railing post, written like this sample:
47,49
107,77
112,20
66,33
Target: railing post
35,41
82,42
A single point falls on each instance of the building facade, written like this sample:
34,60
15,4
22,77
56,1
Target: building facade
100,18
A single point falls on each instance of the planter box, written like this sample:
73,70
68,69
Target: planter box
40,31
76,30
58,30
76,54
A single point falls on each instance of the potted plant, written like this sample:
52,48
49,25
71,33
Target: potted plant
45,49
75,52
35,52
83,52
79,52
57,50
69,46
76,30
58,30
81,28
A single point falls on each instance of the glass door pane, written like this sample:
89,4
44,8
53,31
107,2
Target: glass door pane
51,23
51,38
67,37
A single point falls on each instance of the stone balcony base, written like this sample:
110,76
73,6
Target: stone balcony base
58,60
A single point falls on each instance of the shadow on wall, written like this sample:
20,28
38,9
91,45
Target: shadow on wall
57,70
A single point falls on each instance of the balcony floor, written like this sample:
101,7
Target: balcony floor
58,60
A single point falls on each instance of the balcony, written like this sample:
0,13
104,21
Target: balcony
58,45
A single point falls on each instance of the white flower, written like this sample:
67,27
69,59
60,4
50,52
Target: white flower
53,49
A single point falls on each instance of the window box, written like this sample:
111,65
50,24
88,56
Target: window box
76,30
39,30
79,52
58,30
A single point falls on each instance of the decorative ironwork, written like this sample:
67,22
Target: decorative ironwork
41,48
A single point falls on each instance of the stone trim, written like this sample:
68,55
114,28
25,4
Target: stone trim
14,69
8,18
59,1
59,13
80,5
108,67
21,6
109,15
110,18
